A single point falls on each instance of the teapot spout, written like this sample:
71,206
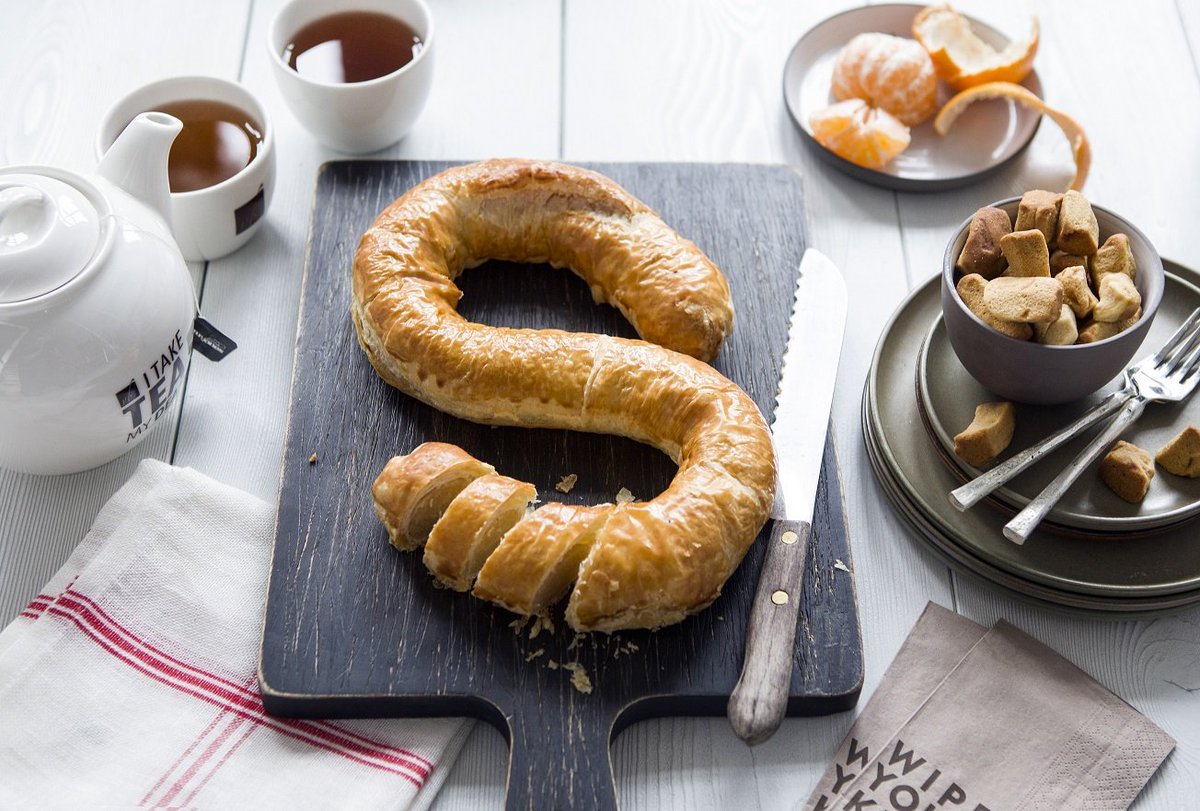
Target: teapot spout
137,160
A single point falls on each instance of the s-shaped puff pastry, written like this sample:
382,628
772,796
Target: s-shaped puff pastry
644,564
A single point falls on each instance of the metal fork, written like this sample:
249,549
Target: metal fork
1168,375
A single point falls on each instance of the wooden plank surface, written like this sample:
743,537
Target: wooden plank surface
641,81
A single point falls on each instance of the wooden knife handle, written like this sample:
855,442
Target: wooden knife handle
759,700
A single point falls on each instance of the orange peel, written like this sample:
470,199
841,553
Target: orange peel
1081,150
864,135
964,60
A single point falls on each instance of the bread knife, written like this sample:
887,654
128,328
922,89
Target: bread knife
805,396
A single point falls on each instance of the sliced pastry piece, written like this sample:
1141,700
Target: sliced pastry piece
414,490
538,559
472,526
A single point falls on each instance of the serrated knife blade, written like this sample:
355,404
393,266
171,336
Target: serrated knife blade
803,402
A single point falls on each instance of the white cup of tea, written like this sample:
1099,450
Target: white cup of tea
367,95
222,165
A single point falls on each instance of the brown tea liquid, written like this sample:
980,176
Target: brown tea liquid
352,46
218,141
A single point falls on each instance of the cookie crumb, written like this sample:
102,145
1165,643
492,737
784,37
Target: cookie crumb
531,656
553,665
624,496
312,460
566,483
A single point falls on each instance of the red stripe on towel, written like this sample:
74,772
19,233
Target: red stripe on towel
407,757
327,737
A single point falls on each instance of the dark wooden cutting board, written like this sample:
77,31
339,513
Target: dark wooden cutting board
356,629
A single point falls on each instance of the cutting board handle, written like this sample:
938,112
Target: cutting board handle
560,759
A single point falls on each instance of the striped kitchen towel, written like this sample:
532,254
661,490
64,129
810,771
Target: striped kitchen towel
131,679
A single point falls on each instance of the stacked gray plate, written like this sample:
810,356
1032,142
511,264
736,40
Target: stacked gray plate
1095,554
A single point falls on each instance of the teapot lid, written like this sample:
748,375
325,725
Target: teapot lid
49,231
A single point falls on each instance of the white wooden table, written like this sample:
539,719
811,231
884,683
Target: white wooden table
671,80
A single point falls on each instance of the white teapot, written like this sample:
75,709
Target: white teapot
96,305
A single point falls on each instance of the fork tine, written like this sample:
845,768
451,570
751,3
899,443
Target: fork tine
1187,373
1177,357
1186,330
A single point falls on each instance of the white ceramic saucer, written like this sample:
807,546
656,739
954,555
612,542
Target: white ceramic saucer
986,136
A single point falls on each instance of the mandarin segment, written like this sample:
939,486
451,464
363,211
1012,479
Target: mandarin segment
859,133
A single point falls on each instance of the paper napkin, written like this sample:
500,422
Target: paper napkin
987,720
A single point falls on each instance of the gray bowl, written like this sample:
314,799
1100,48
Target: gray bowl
1029,372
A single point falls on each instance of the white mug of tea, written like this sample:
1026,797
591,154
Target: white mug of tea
222,165
356,73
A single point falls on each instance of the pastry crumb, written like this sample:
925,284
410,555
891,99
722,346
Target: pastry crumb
312,460
518,624
540,623
535,654
624,496
566,483
838,564
553,665
625,649
575,642
579,677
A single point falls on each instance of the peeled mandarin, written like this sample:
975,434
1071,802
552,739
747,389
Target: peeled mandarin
891,73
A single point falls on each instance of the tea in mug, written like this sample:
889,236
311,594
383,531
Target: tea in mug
218,141
352,46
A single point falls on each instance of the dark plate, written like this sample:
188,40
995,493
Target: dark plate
962,560
948,396
1104,565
